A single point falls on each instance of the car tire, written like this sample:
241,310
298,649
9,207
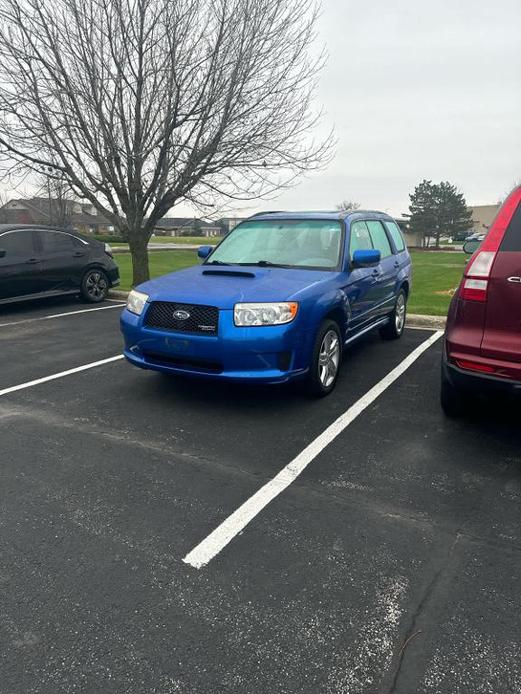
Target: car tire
393,330
325,360
94,285
454,401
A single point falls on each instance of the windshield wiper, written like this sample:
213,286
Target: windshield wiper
216,262
266,263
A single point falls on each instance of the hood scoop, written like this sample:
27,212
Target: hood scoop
229,273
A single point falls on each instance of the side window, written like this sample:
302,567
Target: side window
396,235
17,243
54,241
379,238
512,238
360,239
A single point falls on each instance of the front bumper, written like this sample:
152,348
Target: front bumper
113,275
269,354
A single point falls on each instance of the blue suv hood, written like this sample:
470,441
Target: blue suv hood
224,286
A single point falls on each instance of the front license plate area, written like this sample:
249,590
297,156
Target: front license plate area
178,346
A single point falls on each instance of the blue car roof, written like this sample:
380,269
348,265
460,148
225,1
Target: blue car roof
317,214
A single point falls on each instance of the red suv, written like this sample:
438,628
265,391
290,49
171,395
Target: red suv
483,336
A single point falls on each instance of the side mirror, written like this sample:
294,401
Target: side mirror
204,251
368,258
2,252
470,247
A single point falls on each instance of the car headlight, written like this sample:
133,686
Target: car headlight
136,302
251,315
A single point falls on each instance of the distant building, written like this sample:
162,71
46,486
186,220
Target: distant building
412,239
228,223
186,226
483,216
48,211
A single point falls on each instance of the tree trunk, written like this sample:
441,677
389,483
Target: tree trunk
138,243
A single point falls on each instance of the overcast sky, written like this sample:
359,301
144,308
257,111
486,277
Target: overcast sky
418,89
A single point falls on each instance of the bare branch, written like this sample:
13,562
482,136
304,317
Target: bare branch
141,104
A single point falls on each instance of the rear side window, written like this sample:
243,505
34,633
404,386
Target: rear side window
360,238
54,241
379,238
396,235
512,238
17,243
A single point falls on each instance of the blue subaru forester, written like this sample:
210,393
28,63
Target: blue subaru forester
278,299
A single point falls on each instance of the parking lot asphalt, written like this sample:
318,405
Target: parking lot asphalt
392,564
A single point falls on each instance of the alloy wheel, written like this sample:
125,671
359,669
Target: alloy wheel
399,314
95,285
329,358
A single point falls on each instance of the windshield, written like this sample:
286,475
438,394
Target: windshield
299,244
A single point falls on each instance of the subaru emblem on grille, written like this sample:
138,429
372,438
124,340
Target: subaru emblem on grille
181,315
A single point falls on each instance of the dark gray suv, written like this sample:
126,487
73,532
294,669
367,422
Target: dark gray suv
38,261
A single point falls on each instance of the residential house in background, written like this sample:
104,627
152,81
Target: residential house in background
86,219
186,226
49,211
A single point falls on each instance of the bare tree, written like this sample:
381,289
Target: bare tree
3,211
60,198
145,103
348,206
63,197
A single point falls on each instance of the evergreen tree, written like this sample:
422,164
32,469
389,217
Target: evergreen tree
454,217
438,209
422,210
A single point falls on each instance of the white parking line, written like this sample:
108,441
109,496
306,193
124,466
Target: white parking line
60,315
234,524
61,374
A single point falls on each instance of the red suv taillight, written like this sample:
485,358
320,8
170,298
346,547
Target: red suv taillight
476,276
474,285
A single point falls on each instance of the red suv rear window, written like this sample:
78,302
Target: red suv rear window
512,239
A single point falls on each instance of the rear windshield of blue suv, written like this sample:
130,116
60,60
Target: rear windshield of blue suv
297,244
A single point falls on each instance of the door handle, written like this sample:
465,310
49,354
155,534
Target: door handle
33,261
79,254
515,280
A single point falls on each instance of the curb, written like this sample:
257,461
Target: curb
117,294
413,320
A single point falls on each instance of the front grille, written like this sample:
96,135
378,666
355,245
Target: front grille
202,320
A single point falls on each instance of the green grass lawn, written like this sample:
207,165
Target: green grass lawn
435,275
161,263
